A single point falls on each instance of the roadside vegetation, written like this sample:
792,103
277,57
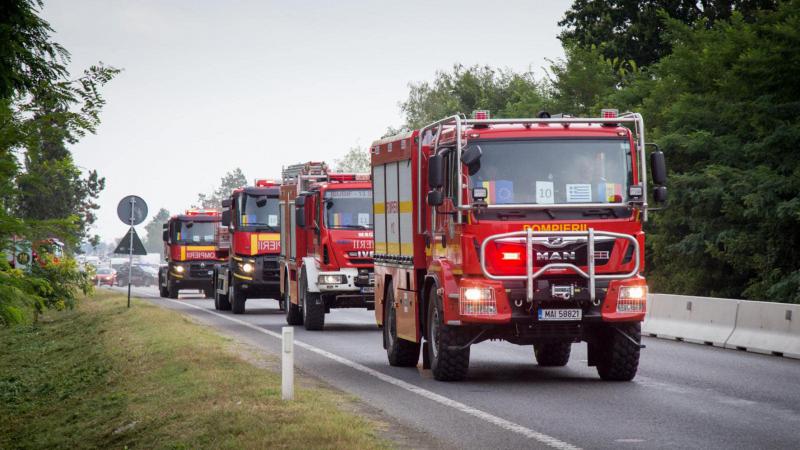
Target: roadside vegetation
104,376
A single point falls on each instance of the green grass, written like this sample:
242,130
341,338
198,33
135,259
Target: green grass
105,376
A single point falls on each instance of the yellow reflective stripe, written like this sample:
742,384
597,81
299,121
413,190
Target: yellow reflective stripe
183,252
243,277
379,208
200,248
406,207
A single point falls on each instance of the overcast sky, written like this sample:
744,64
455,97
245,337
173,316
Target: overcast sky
208,86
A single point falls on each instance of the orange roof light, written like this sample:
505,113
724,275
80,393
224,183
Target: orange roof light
264,182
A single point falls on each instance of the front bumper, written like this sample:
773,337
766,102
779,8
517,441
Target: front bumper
263,278
195,274
356,291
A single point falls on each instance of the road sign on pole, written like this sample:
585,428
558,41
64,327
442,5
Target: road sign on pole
132,210
124,246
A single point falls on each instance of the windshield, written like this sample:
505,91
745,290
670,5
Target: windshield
259,211
554,171
196,232
104,271
348,208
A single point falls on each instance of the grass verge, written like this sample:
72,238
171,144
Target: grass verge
105,376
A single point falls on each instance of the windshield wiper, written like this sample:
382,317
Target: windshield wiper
600,212
358,227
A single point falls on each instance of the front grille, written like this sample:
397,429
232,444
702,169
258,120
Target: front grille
271,269
360,260
196,271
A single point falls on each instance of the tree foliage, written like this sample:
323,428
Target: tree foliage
230,181
153,242
635,29
356,160
42,110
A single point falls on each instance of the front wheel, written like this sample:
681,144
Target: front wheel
236,298
172,290
400,352
221,302
313,307
618,356
447,363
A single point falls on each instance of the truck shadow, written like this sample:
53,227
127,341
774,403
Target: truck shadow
361,327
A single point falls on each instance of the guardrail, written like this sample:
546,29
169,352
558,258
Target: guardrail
760,327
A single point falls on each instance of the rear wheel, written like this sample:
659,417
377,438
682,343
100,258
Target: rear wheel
313,306
447,363
618,356
236,298
293,314
401,353
552,354
208,292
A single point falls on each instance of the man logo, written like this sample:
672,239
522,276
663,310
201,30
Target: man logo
555,256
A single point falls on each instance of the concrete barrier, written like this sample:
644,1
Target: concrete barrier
701,320
771,328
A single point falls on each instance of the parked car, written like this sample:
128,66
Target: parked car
140,276
105,276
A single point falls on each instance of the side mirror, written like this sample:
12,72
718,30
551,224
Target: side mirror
472,159
300,216
660,194
189,224
226,203
300,201
165,234
226,218
435,198
435,172
658,167
261,201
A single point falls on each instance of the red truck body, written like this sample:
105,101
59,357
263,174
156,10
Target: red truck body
524,230
327,241
191,249
251,217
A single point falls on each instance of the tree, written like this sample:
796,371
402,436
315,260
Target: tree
153,242
230,181
466,89
356,160
635,29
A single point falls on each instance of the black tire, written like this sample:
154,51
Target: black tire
446,364
208,292
618,357
313,307
172,290
293,315
236,298
552,354
400,352
162,288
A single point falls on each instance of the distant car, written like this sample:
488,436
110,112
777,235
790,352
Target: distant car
105,276
140,276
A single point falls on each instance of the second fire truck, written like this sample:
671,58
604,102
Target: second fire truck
191,250
251,270
326,251
524,230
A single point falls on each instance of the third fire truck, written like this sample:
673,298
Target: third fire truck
251,270
524,230
326,251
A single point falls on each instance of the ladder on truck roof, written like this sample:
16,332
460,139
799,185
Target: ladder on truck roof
304,174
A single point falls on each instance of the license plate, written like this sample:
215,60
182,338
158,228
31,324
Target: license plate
560,314
368,290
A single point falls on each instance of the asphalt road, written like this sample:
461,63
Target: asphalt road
685,395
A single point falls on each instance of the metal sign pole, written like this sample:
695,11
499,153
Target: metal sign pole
130,251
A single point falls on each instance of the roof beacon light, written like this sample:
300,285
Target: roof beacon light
266,183
480,114
201,212
609,113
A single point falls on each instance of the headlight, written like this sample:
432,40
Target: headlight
632,299
477,301
332,279
247,267
179,269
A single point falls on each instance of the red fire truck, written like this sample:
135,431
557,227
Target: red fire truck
326,256
251,271
523,230
191,249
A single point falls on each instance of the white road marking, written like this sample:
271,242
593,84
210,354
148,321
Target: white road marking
500,422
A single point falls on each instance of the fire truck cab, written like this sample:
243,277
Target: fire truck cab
191,249
251,270
326,251
524,230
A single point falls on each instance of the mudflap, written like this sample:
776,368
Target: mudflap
426,359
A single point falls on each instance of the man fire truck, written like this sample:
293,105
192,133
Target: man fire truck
191,249
251,270
326,251
523,230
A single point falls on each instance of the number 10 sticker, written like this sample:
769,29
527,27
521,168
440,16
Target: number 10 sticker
544,192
